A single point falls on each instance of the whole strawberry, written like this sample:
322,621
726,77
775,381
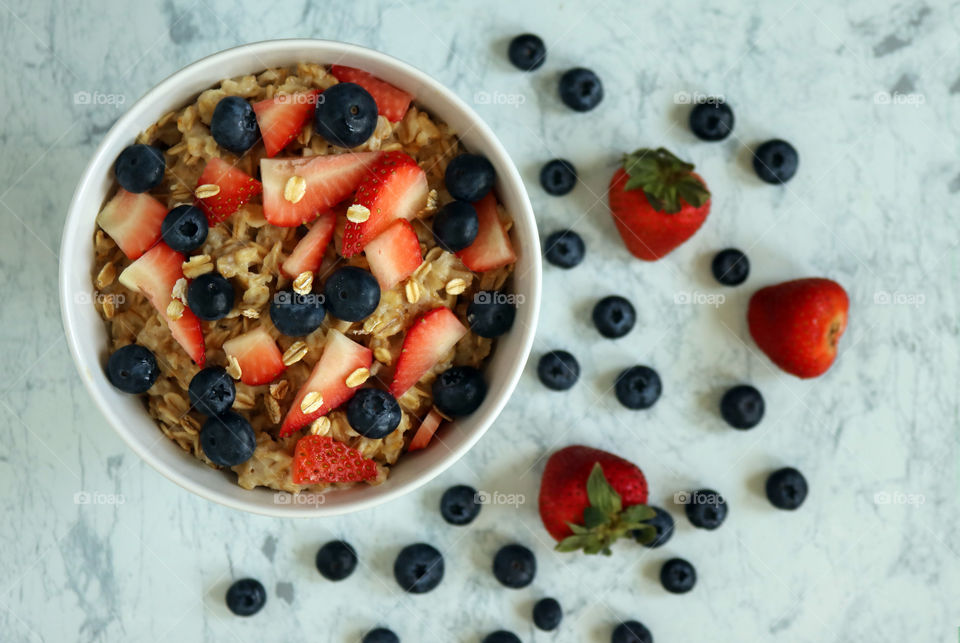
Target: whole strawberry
657,202
799,323
589,498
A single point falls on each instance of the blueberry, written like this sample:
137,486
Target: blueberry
210,296
184,228
246,597
418,568
614,316
373,413
638,387
139,168
786,488
527,52
469,177
234,125
132,369
547,614
455,226
712,120
564,248
631,632
514,566
228,439
336,560
706,509
346,115
491,313
662,522
742,407
459,391
730,267
380,635
296,315
775,161
678,576
458,505
558,177
558,370
351,293
501,636
212,391
581,89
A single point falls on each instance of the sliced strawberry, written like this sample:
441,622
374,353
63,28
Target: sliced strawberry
329,180
320,458
236,188
395,188
394,255
392,102
259,358
341,357
154,275
427,428
281,118
133,221
430,337
492,248
308,254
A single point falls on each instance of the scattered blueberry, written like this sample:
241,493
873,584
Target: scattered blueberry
346,115
212,391
418,568
469,177
614,316
558,177
547,614
501,636
296,315
139,168
336,560
373,413
711,120
706,509
491,313
581,89
234,125
638,387
380,635
514,566
228,439
459,391
564,248
678,576
775,161
730,267
246,597
210,296
184,228
742,407
786,488
558,370
527,52
662,522
458,505
351,293
132,369
631,632
455,226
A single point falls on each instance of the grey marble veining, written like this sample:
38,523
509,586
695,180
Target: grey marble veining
867,91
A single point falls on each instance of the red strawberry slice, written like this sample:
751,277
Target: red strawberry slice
133,221
259,358
341,357
430,337
308,254
154,275
394,255
392,102
281,118
395,188
329,180
492,248
320,458
425,433
236,188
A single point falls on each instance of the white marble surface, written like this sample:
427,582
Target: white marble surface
873,206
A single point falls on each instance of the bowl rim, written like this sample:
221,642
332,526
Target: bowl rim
92,173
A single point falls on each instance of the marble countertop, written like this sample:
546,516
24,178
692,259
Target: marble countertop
869,96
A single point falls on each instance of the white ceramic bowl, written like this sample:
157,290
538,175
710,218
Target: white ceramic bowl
87,336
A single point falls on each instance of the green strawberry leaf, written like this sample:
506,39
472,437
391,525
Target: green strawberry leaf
645,534
637,513
601,494
594,517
